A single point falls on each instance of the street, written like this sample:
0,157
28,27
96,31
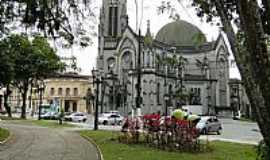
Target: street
233,130
40,143
238,131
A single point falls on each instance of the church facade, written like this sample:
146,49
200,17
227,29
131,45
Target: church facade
178,67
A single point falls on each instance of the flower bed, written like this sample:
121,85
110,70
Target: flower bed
166,133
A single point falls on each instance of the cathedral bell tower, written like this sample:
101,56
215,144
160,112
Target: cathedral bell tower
113,21
113,18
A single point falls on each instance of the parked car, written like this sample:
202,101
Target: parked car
209,124
76,117
110,119
50,116
112,112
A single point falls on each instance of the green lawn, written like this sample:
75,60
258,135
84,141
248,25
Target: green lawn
9,118
43,123
113,150
51,124
3,134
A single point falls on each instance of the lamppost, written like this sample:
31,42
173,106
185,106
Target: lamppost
166,98
41,88
96,81
113,77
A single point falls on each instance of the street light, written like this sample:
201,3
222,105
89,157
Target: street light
166,98
41,88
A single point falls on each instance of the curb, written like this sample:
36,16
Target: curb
230,140
100,155
7,139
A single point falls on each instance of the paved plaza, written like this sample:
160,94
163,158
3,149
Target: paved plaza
39,143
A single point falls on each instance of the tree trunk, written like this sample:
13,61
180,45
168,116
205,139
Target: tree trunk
24,98
243,60
30,98
252,25
1,109
6,105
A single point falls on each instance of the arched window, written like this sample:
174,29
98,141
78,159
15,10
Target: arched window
67,91
52,92
75,91
60,91
126,60
111,63
148,59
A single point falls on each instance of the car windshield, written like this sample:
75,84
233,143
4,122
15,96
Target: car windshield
114,116
203,120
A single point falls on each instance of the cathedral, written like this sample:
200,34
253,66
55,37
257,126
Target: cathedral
178,67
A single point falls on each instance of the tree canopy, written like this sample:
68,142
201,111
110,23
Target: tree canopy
64,19
28,61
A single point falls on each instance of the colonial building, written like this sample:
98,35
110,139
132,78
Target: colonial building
172,64
70,92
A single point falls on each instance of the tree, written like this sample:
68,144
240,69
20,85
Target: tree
6,74
249,47
56,18
32,61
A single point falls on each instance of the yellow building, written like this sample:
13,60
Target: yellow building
69,91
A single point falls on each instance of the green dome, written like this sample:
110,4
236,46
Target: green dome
180,33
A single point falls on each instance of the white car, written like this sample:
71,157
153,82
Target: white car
76,117
110,119
209,124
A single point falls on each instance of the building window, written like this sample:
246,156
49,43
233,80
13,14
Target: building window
74,107
148,59
75,91
113,21
52,92
60,91
195,96
68,92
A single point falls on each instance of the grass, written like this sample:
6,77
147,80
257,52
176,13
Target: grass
4,134
44,123
247,120
113,150
9,118
51,124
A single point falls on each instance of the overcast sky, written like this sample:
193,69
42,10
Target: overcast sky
87,56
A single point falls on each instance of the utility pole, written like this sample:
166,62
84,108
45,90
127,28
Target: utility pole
138,86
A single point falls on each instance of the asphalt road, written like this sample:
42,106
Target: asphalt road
238,131
39,143
233,131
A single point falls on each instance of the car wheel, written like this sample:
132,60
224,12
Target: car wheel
120,122
219,132
84,120
105,122
204,131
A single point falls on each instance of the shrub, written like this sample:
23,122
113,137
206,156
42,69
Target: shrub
263,151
